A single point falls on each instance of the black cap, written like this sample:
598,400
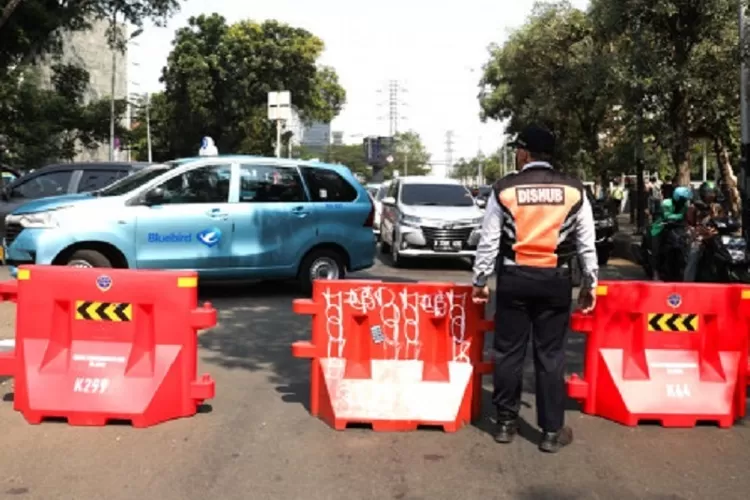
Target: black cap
535,139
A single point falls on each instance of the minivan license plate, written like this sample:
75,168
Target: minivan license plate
447,246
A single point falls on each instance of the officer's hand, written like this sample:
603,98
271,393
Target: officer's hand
480,294
587,300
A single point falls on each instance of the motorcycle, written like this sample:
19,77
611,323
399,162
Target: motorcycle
725,258
673,249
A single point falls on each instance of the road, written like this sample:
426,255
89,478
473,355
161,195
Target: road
258,441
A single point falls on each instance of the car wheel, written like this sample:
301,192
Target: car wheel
88,259
603,256
322,264
575,272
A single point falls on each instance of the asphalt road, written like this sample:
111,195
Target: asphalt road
258,441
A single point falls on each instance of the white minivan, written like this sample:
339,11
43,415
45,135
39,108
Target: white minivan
429,217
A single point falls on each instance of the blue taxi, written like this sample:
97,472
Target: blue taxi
227,217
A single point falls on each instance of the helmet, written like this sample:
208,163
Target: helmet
706,189
682,193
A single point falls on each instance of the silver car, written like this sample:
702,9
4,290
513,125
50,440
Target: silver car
429,217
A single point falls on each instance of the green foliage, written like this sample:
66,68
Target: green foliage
554,71
411,156
675,59
218,76
42,125
491,168
34,27
660,72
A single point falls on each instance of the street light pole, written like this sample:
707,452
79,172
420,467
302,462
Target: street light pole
112,82
148,126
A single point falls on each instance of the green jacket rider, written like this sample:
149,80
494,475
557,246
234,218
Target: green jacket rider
672,209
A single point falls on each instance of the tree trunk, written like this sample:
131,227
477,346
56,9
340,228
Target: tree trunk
727,176
681,160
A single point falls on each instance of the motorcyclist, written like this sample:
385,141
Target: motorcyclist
700,212
673,209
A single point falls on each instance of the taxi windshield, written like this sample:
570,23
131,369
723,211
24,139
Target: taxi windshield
131,182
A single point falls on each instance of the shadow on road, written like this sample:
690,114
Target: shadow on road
257,327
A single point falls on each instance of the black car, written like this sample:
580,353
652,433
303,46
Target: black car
64,178
606,227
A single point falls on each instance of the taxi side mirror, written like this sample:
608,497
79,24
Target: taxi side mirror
153,197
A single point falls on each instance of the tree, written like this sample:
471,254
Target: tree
411,156
34,27
555,72
677,58
491,168
159,121
43,125
218,76
350,155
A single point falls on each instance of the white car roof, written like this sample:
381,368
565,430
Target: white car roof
421,179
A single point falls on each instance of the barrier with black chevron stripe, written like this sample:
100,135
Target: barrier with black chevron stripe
94,345
670,352
104,311
666,322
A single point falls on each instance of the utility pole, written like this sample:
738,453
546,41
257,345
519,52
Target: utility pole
480,163
744,117
504,171
449,152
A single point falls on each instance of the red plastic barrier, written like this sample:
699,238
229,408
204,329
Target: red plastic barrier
394,355
669,352
94,345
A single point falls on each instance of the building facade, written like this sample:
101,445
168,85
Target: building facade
89,50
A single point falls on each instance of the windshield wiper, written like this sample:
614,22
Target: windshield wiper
427,204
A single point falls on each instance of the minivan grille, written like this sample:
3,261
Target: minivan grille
435,234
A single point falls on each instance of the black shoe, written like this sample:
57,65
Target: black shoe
505,431
553,441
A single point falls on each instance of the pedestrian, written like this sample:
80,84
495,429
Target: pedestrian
654,198
616,195
535,224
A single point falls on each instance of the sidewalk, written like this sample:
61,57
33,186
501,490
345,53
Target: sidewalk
625,238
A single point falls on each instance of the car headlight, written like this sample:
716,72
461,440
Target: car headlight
477,220
604,223
726,240
36,220
410,220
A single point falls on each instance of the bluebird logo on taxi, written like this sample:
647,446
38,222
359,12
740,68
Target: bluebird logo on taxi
209,237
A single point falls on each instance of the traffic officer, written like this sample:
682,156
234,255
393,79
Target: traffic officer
535,224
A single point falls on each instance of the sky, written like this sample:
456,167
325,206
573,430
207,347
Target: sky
434,49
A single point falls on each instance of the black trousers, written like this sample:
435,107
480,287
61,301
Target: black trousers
532,300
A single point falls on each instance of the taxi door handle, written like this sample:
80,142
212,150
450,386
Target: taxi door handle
300,212
216,213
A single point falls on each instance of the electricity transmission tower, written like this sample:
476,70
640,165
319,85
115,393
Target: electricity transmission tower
394,103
